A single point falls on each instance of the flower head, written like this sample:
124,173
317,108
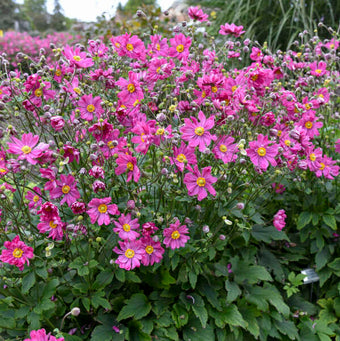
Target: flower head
125,227
279,220
130,254
40,335
175,235
100,210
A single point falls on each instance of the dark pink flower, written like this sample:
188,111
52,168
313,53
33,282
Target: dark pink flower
27,147
196,13
199,183
78,207
261,154
97,172
34,198
57,123
153,251
197,132
327,168
130,254
180,45
100,209
17,253
125,227
48,211
67,189
132,92
149,228
182,156
279,220
40,335
225,149
175,235
127,163
318,69
54,226
232,29
77,58
89,106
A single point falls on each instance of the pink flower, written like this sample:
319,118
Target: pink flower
89,106
55,226
153,251
100,209
279,220
97,172
232,29
337,146
149,228
197,133
318,69
34,198
17,253
131,254
180,45
26,147
313,158
77,58
175,235
48,211
225,149
256,54
327,168
66,188
261,154
182,156
40,335
128,163
195,13
278,188
131,92
129,46
199,183
57,123
310,125
78,207
125,227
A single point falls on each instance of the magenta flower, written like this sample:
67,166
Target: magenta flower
310,125
175,235
54,226
153,251
225,149
128,163
318,69
199,183
40,335
132,92
26,148
17,253
327,168
125,227
314,157
34,198
100,209
66,188
89,106
279,220
180,45
261,154
197,133
195,13
232,29
131,254
77,58
182,156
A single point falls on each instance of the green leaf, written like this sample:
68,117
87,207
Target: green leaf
41,272
232,316
179,315
330,221
322,258
103,333
50,288
192,279
304,219
233,289
28,282
267,233
195,332
132,277
337,306
137,306
97,301
201,313
244,272
335,266
86,303
210,293
120,275
287,328
102,280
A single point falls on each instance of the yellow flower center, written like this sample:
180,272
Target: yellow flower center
287,143
200,182
279,132
76,58
110,144
58,72
126,227
308,124
149,249
17,253
1,92
180,48
129,166
65,189
233,89
307,106
117,45
131,88
26,149
299,54
158,47
332,46
223,148
255,77
129,47
175,235
199,131
141,137
312,157
129,253
322,166
36,198
52,224
204,95
158,69
90,108
321,96
160,131
181,158
2,170
38,93
261,151
77,90
318,71
102,208
214,89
